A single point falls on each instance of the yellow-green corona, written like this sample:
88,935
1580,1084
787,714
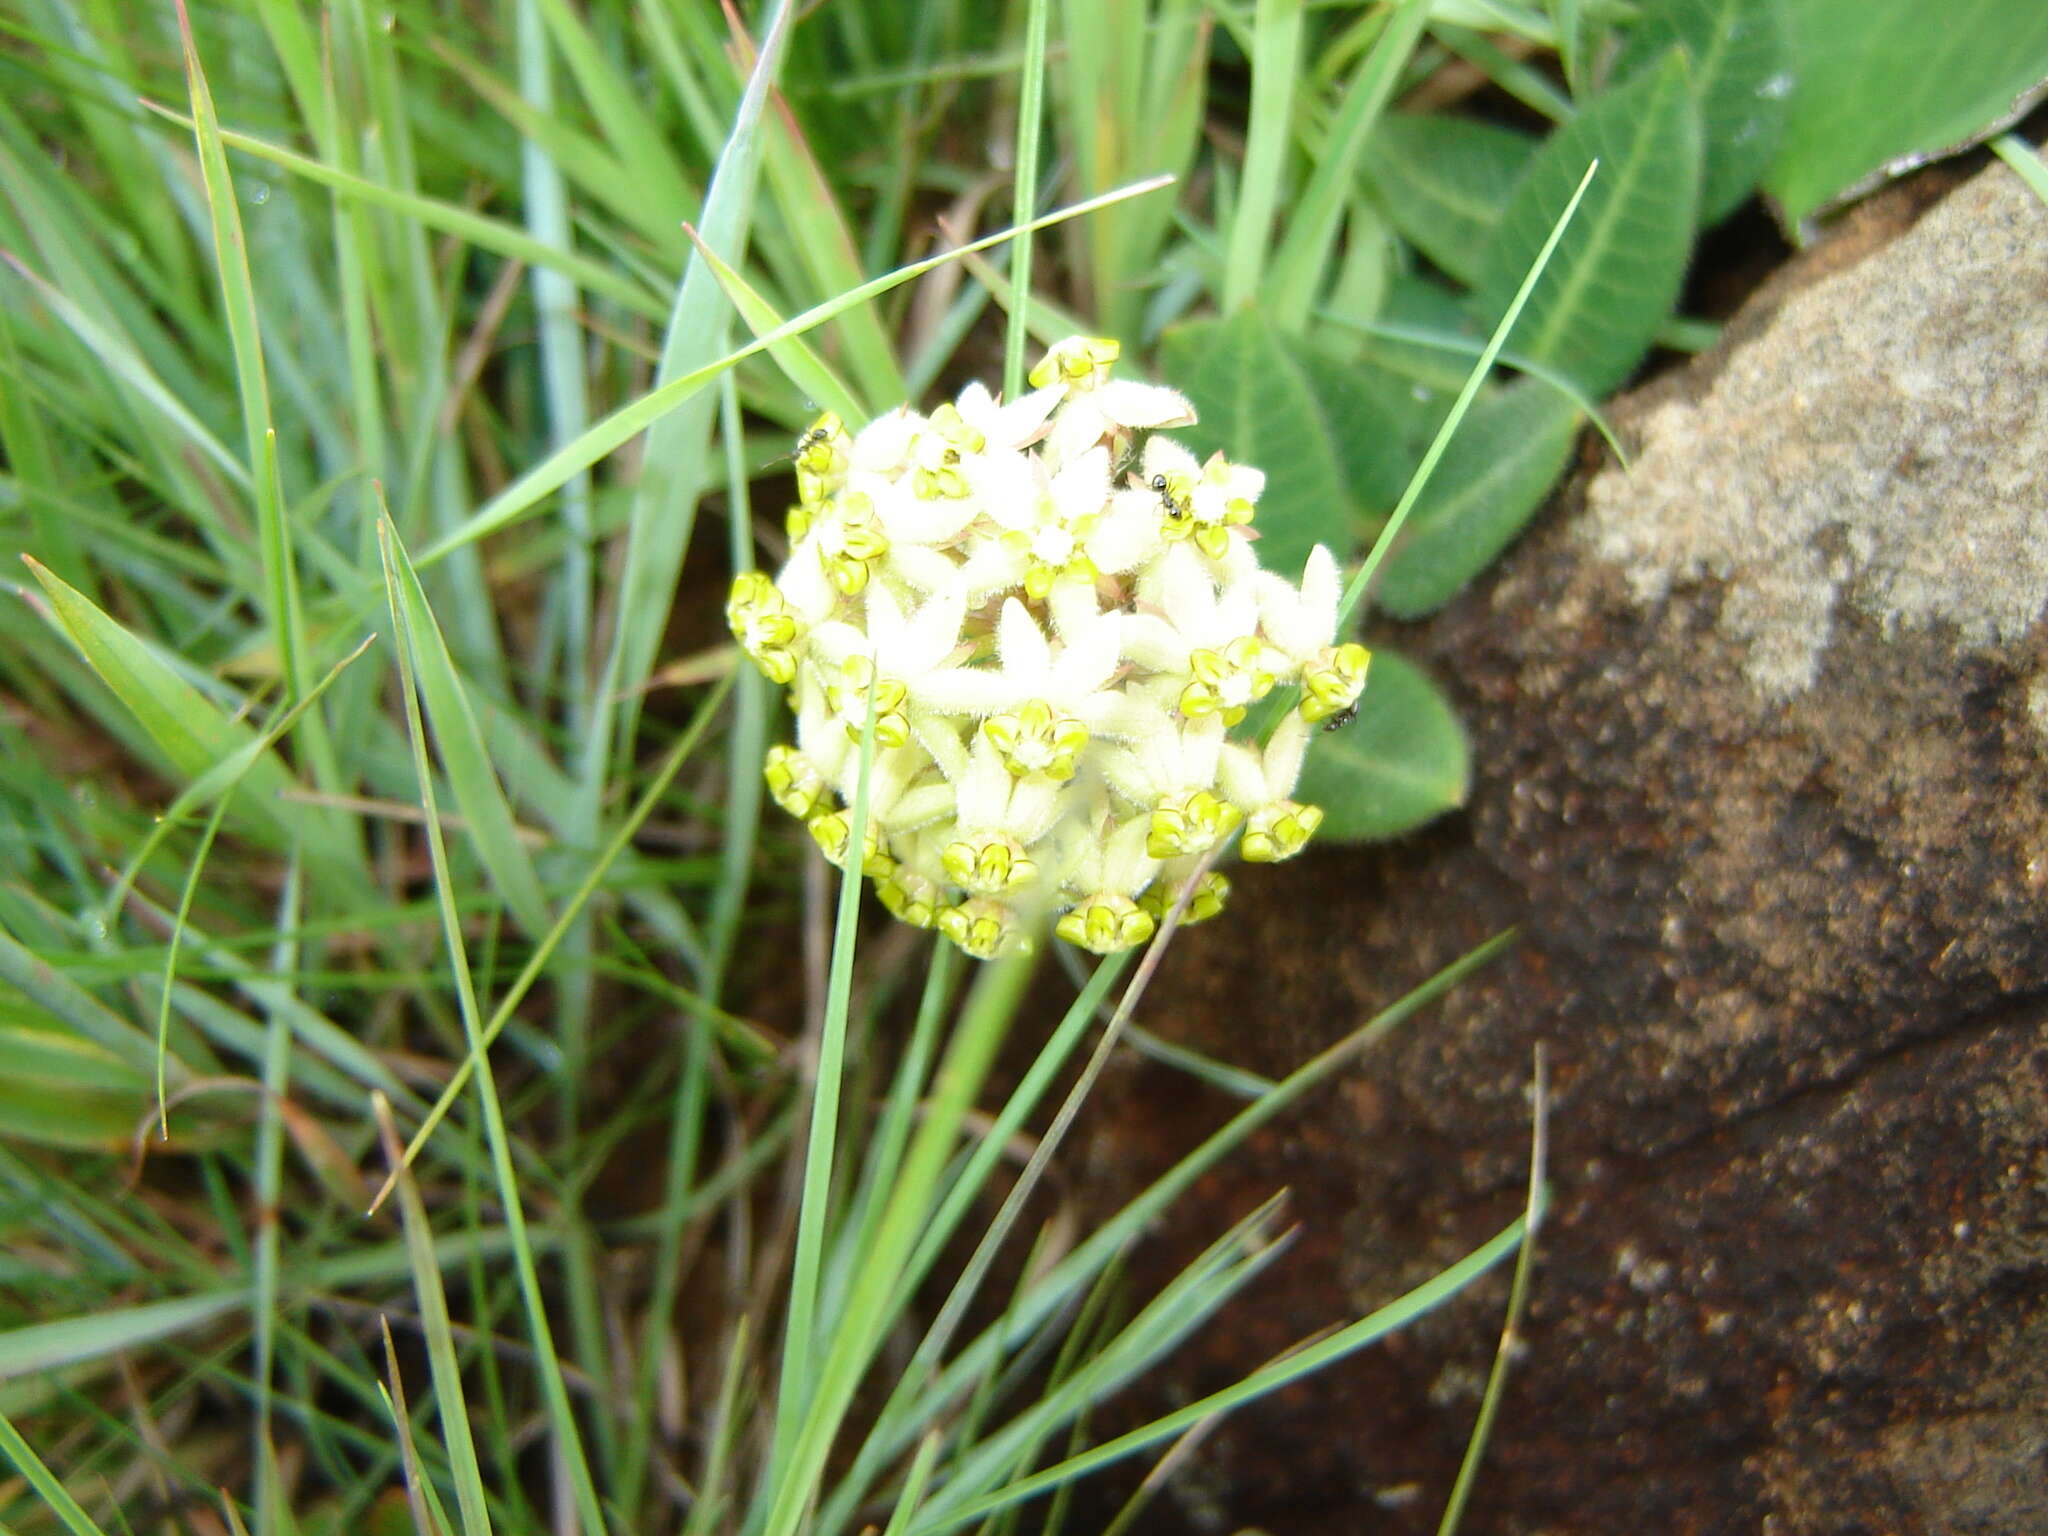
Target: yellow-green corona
985,929
833,833
847,695
794,782
1054,615
1037,739
1225,682
1106,923
1204,902
1079,361
765,625
1192,822
1277,832
989,864
822,456
1332,680
909,897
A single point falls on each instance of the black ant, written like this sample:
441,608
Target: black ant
1337,722
1176,508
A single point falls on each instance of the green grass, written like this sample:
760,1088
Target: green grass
415,1123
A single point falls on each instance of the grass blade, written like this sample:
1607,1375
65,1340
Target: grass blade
478,794
475,229
449,1402
52,1492
1480,369
1396,1315
821,1143
231,258
544,951
1518,1300
628,421
795,357
1024,202
561,1417
1312,225
193,735
1276,70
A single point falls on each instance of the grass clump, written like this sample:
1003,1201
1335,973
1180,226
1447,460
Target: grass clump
413,1115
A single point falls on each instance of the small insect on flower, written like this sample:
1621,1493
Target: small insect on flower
1176,508
1047,616
1337,722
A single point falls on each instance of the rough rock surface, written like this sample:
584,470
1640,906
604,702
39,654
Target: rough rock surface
1761,746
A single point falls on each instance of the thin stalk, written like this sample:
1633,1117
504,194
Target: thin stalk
1024,203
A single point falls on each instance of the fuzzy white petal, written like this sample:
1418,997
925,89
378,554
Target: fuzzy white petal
1073,605
1285,754
1090,657
984,789
1242,778
1127,534
1126,868
1201,744
928,570
990,569
941,738
963,691
1022,646
1077,428
1131,404
933,635
883,445
1164,456
1154,644
920,807
835,641
805,588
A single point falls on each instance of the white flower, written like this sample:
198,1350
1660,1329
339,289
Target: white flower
1200,502
1203,641
1067,527
897,653
1301,621
1007,428
1259,784
1097,406
1302,625
1052,660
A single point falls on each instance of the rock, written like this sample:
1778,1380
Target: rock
1761,772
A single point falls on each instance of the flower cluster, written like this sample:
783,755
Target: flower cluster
1055,614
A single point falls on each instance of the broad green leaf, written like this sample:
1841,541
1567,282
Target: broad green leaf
1421,304
1404,760
1383,423
1616,274
1881,80
1445,182
1260,406
1508,453
492,831
1740,52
